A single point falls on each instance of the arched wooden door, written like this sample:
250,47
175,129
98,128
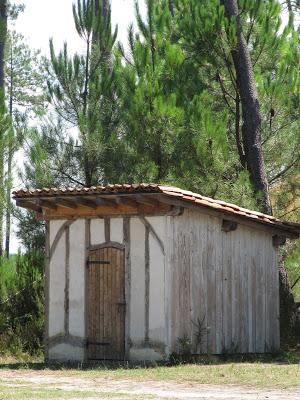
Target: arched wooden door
106,304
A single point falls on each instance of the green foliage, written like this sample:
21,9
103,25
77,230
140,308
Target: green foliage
82,90
21,304
292,264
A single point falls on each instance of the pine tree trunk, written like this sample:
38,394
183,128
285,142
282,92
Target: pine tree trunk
9,163
171,7
3,34
97,7
251,130
253,149
289,5
105,8
8,200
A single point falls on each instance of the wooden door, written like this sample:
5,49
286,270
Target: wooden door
106,304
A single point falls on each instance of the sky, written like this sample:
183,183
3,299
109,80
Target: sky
45,19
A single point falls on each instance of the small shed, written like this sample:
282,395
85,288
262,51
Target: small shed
138,272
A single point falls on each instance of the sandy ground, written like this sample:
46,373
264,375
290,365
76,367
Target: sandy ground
129,389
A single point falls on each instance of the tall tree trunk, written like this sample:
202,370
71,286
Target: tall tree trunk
171,7
105,8
3,34
251,129
289,5
9,162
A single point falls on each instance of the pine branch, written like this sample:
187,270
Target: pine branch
284,171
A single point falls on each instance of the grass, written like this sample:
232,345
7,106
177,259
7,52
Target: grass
21,392
283,371
20,381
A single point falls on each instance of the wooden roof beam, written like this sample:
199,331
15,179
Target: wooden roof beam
86,202
47,204
149,201
66,203
109,202
29,205
127,202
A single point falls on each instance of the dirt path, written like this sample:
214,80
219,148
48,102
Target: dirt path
131,389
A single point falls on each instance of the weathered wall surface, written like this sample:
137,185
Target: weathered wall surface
66,331
146,337
224,286
184,277
57,281
77,279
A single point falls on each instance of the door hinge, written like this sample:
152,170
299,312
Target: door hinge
97,343
98,262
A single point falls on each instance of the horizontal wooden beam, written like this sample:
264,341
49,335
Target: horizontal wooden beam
106,210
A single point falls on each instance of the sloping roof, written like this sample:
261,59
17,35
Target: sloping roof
168,191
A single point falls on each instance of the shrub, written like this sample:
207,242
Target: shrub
21,304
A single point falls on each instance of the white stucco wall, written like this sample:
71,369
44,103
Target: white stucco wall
97,231
138,350
55,225
116,230
57,281
77,276
157,282
66,352
137,298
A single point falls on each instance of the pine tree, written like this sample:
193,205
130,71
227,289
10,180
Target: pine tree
26,100
152,119
83,90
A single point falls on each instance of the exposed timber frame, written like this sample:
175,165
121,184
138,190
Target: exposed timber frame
104,206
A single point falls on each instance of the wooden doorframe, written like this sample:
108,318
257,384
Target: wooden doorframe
89,248
104,245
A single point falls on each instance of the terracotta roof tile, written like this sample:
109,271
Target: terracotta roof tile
170,191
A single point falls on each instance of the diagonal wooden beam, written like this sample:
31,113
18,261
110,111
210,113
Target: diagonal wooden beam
47,204
127,202
66,203
108,201
149,201
86,202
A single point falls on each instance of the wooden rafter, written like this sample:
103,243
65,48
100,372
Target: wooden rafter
66,203
146,200
127,202
47,204
29,205
107,201
86,202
